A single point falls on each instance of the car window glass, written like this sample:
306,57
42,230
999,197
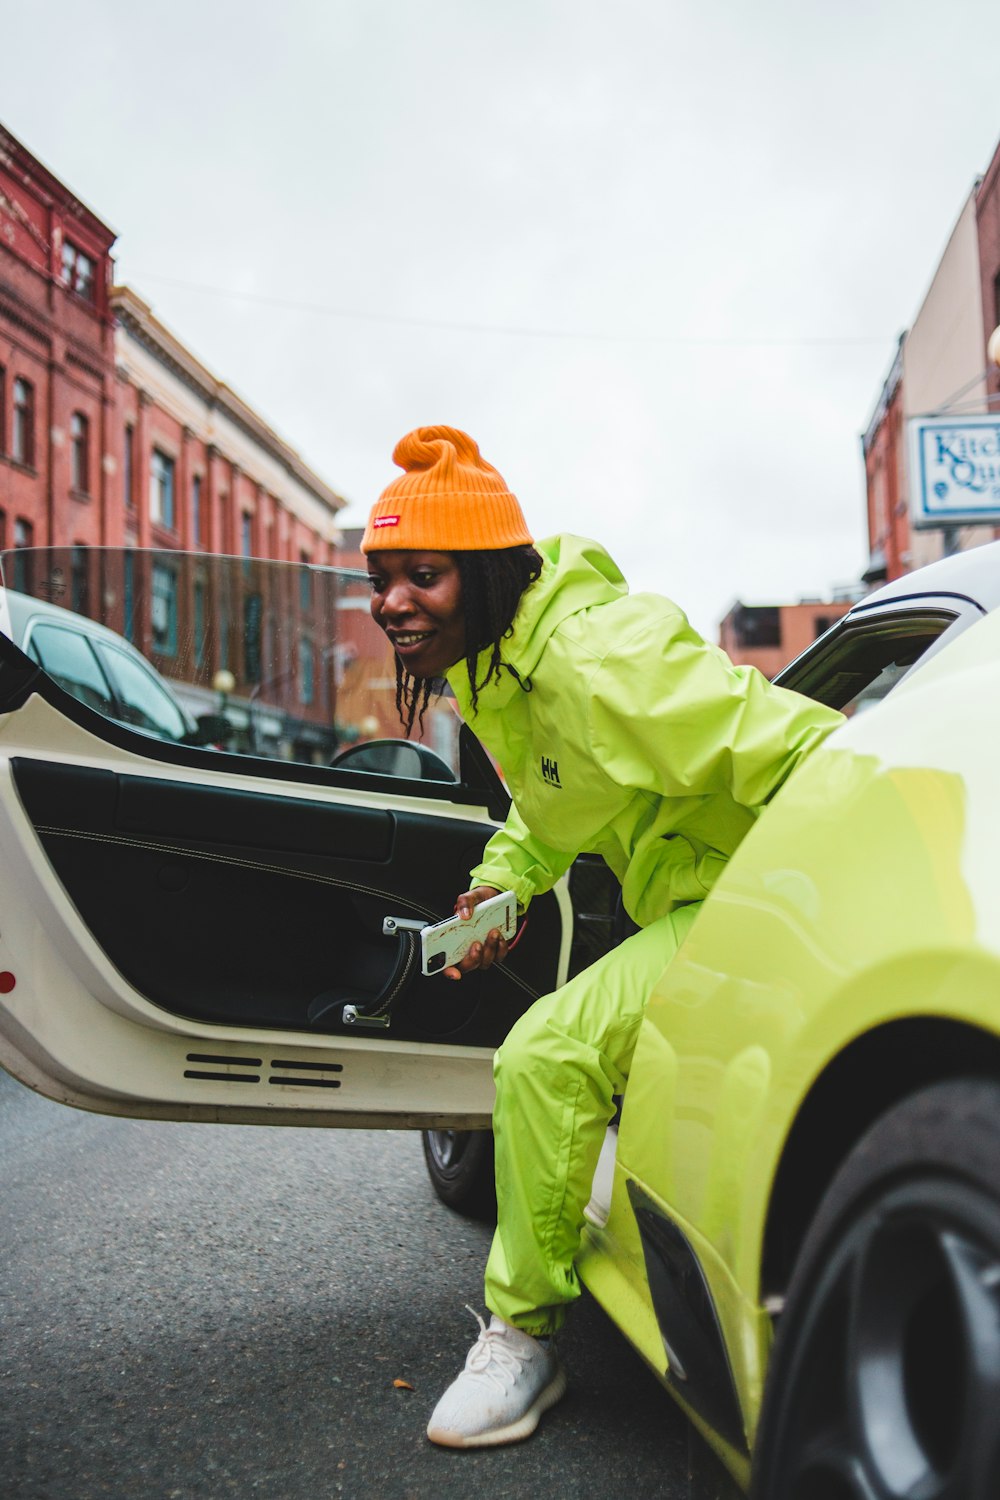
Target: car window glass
68,659
857,664
142,702
270,659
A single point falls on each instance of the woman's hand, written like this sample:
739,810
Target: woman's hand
480,955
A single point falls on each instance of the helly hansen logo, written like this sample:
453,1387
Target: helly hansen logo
550,772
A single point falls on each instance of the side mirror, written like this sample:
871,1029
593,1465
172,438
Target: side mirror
211,729
395,758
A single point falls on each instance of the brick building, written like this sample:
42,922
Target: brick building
57,370
197,468
988,227
769,636
112,434
941,366
201,472
883,447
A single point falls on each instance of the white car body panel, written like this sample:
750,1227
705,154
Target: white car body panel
73,1028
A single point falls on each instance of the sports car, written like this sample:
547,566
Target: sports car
796,1218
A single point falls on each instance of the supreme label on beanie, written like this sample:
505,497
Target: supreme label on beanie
386,521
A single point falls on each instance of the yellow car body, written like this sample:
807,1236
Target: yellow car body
850,955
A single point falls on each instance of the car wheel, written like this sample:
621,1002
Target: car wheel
460,1166
885,1378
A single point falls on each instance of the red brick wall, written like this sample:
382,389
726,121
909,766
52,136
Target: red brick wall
63,345
799,625
888,515
988,222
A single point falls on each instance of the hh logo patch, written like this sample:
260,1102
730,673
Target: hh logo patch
550,772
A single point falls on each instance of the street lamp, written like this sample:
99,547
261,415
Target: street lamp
223,683
993,347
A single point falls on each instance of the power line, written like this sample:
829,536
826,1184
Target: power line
508,331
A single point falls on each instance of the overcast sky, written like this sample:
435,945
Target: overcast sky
653,256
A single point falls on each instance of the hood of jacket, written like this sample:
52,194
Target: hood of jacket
576,574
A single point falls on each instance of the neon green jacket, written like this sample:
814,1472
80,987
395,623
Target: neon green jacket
622,733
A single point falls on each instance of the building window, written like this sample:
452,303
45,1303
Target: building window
246,534
253,617
196,508
79,429
306,681
219,510
128,589
80,592
23,446
3,529
756,625
128,477
3,410
325,668
305,581
161,489
164,611
78,271
199,624
24,537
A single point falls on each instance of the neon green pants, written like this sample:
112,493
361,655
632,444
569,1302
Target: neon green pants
555,1076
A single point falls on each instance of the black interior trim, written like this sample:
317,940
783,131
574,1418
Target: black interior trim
146,805
19,676
476,769
925,599
699,1369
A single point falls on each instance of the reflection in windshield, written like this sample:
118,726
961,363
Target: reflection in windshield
272,659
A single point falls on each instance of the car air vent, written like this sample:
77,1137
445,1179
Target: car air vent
215,1061
286,1070
305,1073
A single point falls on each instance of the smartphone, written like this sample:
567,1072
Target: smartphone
449,941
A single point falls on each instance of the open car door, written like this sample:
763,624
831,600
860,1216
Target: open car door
212,839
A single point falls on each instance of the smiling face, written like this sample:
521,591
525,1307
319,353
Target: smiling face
417,600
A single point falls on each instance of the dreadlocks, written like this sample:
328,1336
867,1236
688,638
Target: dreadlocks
492,585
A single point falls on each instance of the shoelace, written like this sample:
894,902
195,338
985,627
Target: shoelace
494,1359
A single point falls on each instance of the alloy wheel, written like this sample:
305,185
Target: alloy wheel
891,1388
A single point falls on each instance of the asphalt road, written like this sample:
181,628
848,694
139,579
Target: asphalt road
208,1311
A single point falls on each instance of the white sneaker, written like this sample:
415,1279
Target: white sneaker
509,1380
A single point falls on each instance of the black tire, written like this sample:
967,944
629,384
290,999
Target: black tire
460,1166
885,1378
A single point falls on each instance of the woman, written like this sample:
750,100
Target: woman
620,732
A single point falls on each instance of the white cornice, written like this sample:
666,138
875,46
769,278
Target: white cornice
152,358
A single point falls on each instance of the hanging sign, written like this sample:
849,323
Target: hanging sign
954,471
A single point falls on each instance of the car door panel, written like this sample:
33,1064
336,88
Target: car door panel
186,926
244,908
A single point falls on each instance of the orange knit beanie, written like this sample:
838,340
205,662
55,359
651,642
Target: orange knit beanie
448,499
